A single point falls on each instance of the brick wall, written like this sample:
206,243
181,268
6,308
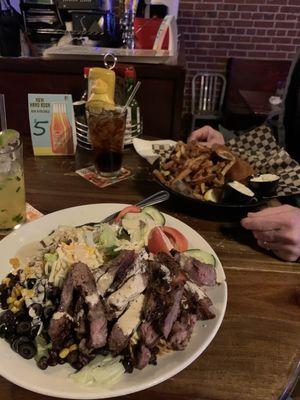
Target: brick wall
214,30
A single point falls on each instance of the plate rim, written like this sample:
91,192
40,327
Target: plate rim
120,392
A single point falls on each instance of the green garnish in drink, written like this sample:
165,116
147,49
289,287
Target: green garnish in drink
18,218
8,136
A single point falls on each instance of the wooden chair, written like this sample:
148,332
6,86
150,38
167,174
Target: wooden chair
208,91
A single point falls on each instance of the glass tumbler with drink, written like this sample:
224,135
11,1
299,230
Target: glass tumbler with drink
106,135
12,190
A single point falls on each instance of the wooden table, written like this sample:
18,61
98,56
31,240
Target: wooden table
257,101
257,346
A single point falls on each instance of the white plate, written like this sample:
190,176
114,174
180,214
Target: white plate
54,381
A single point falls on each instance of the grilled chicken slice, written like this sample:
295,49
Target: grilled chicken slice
126,325
129,291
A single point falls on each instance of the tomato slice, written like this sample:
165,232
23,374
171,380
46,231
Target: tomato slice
126,210
178,240
158,241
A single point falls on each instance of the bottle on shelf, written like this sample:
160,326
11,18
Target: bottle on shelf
133,121
79,106
86,71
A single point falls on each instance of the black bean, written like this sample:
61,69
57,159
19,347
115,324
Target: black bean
14,344
42,363
27,350
72,357
22,339
61,360
24,328
54,294
22,315
4,294
77,365
2,330
30,283
37,308
52,360
68,342
8,318
48,312
127,364
14,279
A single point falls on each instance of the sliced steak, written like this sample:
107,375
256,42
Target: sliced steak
80,317
177,275
182,331
149,335
173,312
80,278
198,302
143,357
198,272
169,262
59,328
157,293
126,325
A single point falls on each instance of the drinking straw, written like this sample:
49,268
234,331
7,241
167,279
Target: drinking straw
2,113
133,93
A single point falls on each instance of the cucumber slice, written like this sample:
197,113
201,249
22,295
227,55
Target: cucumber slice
155,214
138,226
202,256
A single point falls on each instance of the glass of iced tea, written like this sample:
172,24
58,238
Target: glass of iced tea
12,189
106,135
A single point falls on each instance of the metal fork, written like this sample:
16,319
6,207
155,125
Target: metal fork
292,382
156,198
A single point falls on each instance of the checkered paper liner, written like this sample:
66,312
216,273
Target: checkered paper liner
260,149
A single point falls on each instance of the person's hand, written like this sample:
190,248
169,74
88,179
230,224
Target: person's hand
277,229
207,135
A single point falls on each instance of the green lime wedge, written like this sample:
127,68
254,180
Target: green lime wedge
8,136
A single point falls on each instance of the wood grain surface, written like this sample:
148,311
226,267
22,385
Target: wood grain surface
257,346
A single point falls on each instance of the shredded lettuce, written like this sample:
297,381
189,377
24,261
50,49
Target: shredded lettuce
50,257
107,237
105,370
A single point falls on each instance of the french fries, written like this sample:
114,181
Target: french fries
196,168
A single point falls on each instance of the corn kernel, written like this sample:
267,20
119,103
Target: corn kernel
64,353
17,303
6,281
10,300
17,291
73,347
14,310
14,262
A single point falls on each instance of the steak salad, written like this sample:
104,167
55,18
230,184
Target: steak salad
107,298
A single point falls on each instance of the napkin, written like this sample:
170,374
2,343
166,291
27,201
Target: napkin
152,150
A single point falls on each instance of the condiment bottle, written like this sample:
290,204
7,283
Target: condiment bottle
99,98
84,96
106,75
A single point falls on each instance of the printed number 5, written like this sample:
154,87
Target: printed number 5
37,125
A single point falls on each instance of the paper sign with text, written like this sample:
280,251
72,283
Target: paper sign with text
52,124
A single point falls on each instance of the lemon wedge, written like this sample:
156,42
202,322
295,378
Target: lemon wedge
213,195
